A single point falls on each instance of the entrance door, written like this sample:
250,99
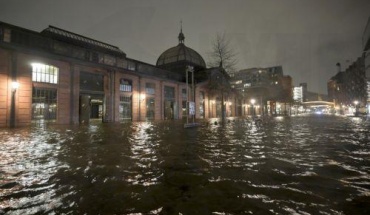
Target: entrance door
96,109
91,107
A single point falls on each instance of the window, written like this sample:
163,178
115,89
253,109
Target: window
122,63
125,85
131,66
125,107
7,35
95,57
150,88
91,82
169,92
44,104
44,73
150,108
20,38
110,60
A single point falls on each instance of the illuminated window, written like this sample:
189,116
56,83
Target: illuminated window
44,73
125,85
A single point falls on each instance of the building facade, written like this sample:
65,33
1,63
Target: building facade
267,87
62,77
366,57
348,89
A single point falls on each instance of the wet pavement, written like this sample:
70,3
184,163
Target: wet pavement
294,165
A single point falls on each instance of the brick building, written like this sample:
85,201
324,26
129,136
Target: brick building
62,77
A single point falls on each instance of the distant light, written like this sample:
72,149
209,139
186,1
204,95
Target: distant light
253,101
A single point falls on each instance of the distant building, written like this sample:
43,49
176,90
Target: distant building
298,94
61,77
349,86
287,89
266,85
336,89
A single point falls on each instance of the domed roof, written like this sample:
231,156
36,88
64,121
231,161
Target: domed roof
181,53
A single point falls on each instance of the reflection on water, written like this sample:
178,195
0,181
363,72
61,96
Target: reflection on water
297,165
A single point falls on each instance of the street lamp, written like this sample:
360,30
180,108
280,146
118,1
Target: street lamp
15,86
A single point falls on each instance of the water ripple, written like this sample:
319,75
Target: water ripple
291,165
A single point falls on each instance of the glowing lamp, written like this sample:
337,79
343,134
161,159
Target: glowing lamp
15,86
142,96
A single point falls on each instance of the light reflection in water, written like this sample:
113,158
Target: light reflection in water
295,165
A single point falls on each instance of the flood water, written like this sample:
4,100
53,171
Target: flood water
297,165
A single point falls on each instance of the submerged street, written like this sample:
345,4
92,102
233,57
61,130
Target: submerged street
314,164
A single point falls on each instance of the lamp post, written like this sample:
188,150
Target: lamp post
14,86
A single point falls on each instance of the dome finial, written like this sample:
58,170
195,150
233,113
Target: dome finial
181,35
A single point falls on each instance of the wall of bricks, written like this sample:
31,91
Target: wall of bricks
68,91
5,90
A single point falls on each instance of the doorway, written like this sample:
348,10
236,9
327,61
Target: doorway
91,108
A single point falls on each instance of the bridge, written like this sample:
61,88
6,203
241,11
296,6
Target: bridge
315,104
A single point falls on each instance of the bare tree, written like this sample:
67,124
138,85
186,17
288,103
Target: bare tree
222,54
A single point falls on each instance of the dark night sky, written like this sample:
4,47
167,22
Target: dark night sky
306,37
